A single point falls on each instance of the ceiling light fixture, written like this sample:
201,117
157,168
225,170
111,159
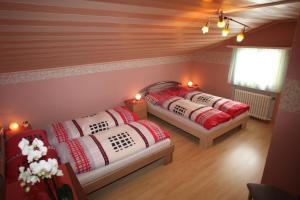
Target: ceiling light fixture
226,30
240,37
205,28
221,22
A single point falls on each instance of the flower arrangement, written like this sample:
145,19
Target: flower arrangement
37,169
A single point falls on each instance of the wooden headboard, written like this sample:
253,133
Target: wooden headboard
158,86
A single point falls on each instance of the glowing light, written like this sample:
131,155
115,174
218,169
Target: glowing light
221,23
190,83
205,29
225,32
240,37
138,96
14,126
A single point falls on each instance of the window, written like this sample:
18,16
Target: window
262,69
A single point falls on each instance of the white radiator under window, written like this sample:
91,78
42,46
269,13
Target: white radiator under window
261,106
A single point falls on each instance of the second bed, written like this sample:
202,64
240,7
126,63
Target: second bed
205,135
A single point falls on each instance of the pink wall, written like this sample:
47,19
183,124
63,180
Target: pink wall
40,102
283,163
211,74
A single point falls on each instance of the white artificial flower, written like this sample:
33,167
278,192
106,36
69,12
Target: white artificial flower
37,143
59,173
34,179
34,155
24,142
25,175
35,167
24,146
26,150
21,169
54,166
43,150
38,169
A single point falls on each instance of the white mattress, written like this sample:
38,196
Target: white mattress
190,123
90,176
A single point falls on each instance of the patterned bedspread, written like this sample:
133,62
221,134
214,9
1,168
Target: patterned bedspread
100,149
233,108
59,132
205,115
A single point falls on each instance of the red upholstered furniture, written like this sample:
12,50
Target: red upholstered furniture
39,192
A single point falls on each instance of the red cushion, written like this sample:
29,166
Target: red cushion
159,97
11,145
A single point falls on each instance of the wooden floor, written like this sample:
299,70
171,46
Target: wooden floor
221,172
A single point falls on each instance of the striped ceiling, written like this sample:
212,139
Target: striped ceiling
36,34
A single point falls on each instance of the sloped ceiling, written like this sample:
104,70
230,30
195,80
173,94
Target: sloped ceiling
36,34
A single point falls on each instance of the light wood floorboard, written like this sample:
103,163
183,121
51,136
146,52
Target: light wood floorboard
220,172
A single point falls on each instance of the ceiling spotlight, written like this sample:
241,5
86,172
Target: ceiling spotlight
225,31
221,22
205,28
240,37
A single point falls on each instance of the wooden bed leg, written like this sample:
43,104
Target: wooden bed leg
244,125
169,157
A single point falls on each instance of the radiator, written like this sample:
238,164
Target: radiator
261,106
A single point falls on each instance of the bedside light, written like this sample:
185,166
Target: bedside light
190,83
14,126
138,97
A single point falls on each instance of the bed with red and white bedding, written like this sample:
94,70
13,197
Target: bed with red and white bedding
99,145
101,149
201,120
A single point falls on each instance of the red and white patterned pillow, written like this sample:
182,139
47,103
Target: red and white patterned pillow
176,91
59,132
157,98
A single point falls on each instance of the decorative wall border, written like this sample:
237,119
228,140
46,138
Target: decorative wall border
215,57
44,74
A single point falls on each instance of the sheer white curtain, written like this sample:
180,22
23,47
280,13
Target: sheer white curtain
262,69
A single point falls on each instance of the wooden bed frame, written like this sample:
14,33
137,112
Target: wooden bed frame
99,182
166,154
206,139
